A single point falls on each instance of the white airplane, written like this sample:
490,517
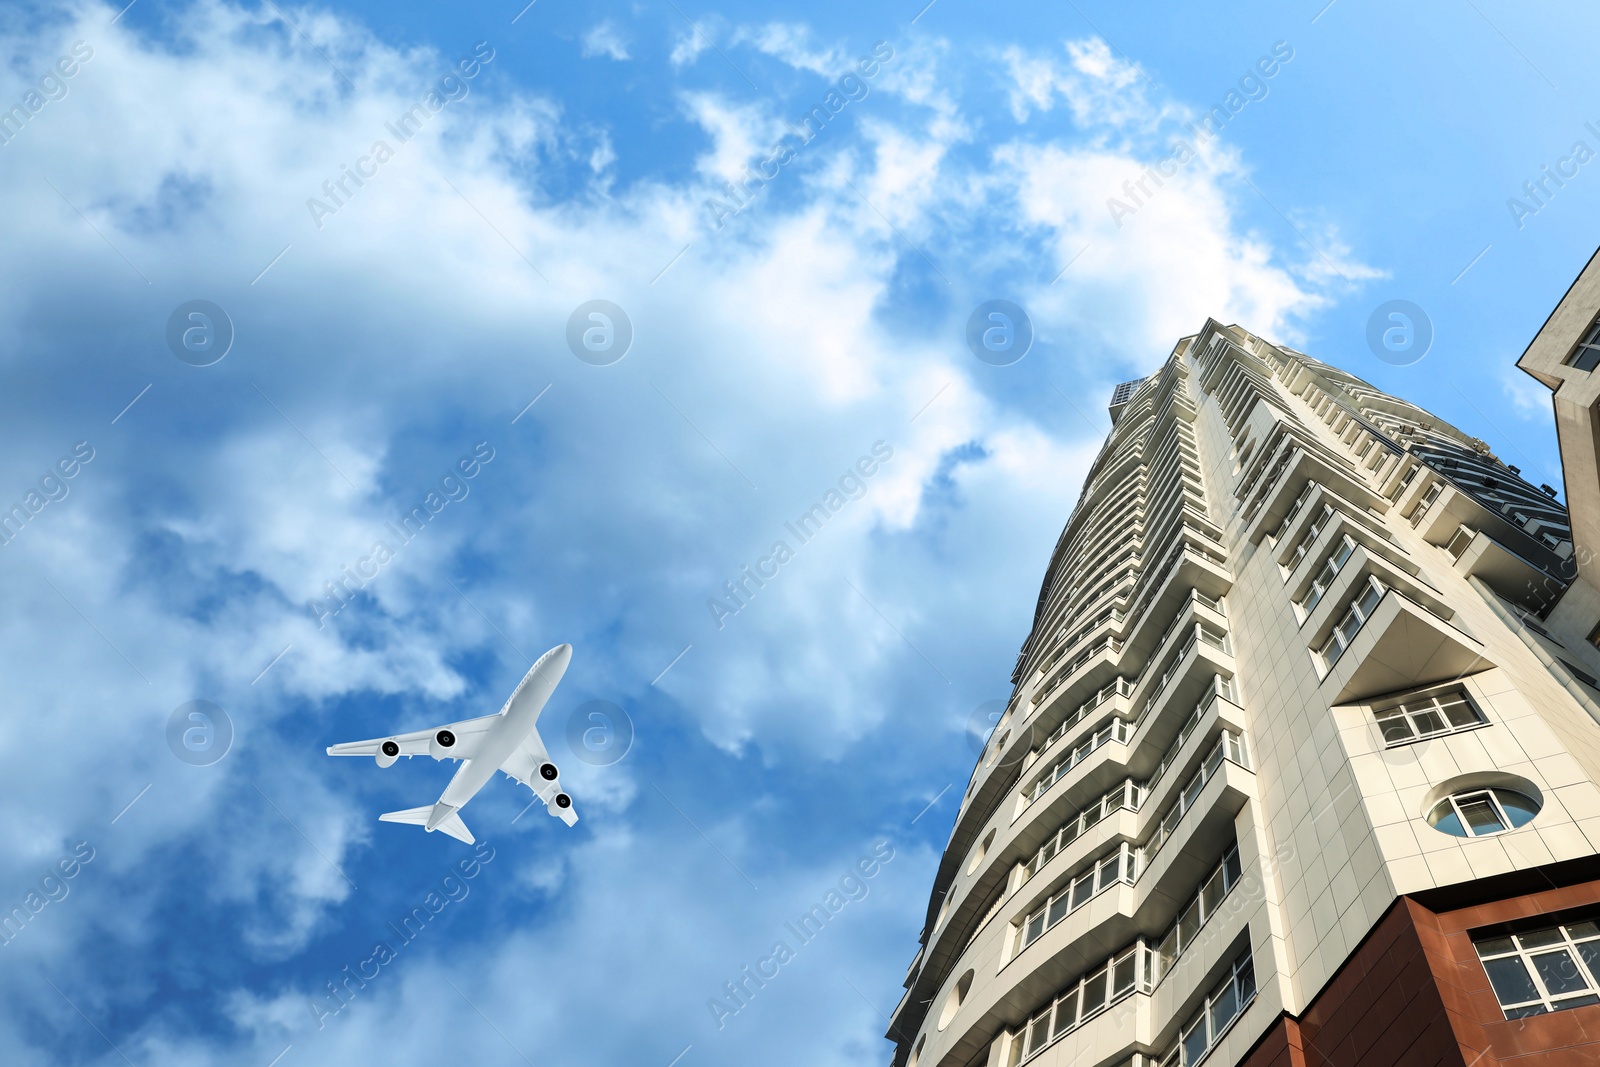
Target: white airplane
507,741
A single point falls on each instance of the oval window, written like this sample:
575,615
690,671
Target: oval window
1481,812
952,1003
981,851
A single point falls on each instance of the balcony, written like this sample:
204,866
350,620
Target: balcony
1277,499
1511,576
1320,620
1401,646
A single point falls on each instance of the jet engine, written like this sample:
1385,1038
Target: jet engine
548,771
563,801
387,753
441,743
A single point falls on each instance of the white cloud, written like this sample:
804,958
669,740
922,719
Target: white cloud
604,39
418,320
1529,399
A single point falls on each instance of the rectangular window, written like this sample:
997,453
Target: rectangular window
1123,973
1066,1012
1543,970
1586,355
1211,894
1231,996
1094,992
1354,618
1428,716
1327,573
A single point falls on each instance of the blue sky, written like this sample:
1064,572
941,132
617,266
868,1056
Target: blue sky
387,333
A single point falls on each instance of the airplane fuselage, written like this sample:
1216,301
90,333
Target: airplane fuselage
517,721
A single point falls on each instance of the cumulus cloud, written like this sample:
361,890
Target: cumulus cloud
379,342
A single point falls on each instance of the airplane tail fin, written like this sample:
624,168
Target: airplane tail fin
450,824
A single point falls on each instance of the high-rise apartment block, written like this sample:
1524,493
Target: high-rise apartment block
1301,763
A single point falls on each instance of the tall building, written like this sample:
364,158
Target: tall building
1301,763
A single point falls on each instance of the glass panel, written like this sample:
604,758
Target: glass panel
1579,931
1123,973
1058,910
1590,951
1560,972
1350,624
1430,722
1460,712
1245,974
1108,871
1480,815
1519,809
1395,725
1035,928
1495,946
1168,952
1224,1005
1191,793
1066,1011
1510,980
1194,1042
1342,553
1541,938
1211,895
1083,889
1523,1013
1188,925
1444,817
1094,992
1370,598
1039,1034
1230,867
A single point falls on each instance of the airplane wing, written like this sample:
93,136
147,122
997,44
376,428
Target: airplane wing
524,763
457,740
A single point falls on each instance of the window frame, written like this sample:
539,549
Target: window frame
1585,355
1489,795
1352,610
1240,985
1546,1001
1416,705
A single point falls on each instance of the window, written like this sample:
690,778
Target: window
1119,865
1126,972
1543,970
1428,716
1139,966
1360,610
1426,502
1586,356
1581,675
1482,812
1224,1004
1214,889
1327,573
952,1003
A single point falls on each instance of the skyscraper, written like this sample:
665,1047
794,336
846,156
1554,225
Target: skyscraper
1302,757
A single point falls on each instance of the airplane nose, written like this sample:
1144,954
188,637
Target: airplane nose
563,655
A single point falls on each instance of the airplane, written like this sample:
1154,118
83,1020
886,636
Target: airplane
506,741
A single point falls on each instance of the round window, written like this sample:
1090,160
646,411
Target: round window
953,1002
1482,812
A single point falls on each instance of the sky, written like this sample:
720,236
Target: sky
786,325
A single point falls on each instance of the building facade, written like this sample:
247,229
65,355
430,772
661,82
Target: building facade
1301,763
